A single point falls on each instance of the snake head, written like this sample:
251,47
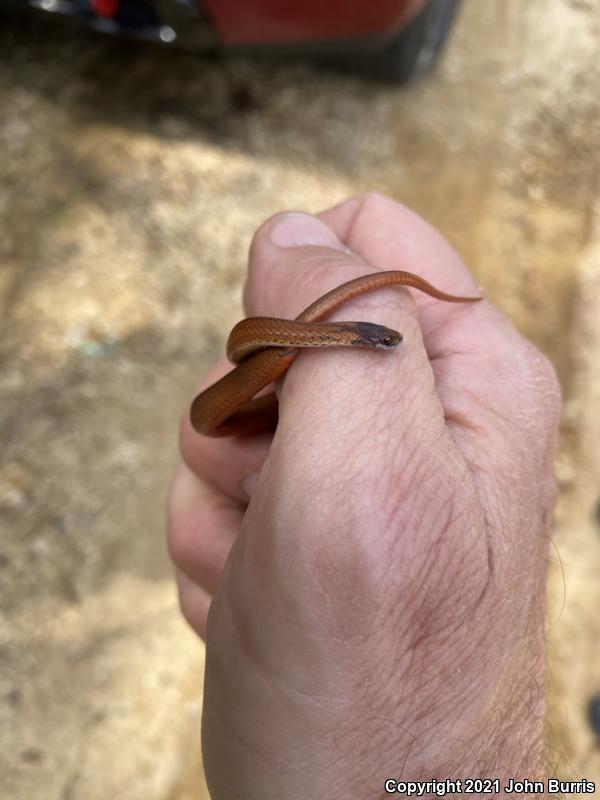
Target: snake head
368,334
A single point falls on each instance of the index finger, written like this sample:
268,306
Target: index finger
489,379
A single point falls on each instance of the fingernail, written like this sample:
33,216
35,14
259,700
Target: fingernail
296,229
248,484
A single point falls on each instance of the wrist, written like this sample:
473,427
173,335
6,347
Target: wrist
480,717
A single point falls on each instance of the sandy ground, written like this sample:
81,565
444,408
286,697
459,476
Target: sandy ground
131,181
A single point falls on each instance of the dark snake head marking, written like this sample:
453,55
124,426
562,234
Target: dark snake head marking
368,334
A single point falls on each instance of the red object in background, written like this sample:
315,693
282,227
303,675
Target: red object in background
106,8
270,21
397,40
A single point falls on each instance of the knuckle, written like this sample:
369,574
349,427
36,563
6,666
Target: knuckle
197,546
374,199
192,610
184,540
193,448
372,203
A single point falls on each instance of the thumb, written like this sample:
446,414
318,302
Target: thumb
347,398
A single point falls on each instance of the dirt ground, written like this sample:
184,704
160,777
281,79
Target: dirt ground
131,181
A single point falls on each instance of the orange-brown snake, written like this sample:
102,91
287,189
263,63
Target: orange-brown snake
264,347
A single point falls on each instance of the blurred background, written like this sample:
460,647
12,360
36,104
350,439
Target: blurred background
132,177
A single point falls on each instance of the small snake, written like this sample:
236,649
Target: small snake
264,347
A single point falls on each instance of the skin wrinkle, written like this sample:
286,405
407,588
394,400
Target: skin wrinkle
374,439
244,620
345,465
478,733
408,468
479,571
415,373
441,714
376,368
429,723
405,451
491,471
407,733
319,700
450,393
434,552
375,695
334,484
316,427
473,406
460,422
513,660
271,681
237,620
345,258
490,568
380,740
453,694
489,409
426,613
439,357
446,664
454,659
377,742
278,764
471,754
397,658
416,602
511,739
324,550
341,268
426,552
401,543
522,506
248,742
449,515
304,280
339,590
419,523
536,706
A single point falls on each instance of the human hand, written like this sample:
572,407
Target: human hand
381,613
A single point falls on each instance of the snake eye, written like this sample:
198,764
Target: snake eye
390,340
